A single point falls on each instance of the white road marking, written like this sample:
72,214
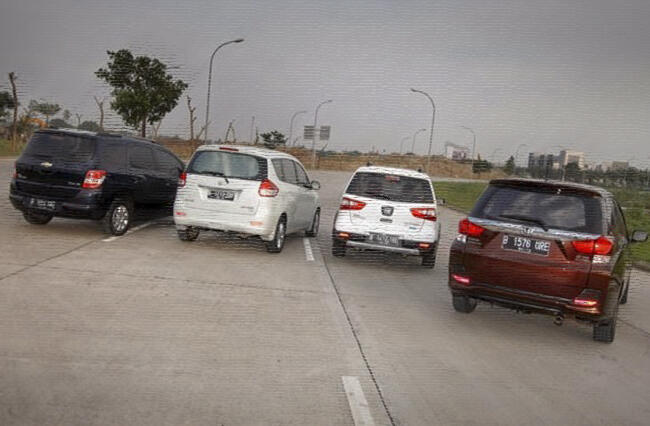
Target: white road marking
357,401
308,252
130,231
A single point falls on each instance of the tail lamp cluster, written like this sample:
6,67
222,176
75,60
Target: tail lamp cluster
94,179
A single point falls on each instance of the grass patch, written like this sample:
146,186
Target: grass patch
636,203
5,149
459,195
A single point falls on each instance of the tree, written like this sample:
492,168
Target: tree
6,102
44,108
100,105
481,166
509,167
273,139
90,126
59,123
66,115
143,92
572,172
14,122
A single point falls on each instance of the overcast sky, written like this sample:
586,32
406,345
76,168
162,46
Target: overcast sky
549,74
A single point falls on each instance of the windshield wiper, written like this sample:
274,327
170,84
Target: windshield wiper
211,173
372,194
525,218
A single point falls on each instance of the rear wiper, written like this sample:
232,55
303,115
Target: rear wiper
525,218
208,172
372,194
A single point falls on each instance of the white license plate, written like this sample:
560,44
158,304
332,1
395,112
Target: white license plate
221,194
384,239
36,203
526,245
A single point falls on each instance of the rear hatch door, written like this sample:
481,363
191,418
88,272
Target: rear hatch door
527,245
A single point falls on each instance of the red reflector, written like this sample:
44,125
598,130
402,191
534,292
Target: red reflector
350,204
268,189
601,246
182,178
461,279
344,235
181,214
588,298
227,148
424,245
426,213
94,179
470,229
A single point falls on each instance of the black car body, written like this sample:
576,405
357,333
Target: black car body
74,174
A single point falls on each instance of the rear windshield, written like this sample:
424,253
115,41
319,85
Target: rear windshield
65,148
547,207
228,164
391,187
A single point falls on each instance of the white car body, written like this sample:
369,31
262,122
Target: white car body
249,213
388,217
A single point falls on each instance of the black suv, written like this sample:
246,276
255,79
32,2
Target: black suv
89,175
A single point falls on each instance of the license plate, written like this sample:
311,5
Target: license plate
526,245
36,203
220,194
384,239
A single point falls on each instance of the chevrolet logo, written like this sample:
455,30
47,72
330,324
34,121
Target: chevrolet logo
46,164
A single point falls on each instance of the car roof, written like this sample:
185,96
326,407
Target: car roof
542,183
244,149
76,132
392,171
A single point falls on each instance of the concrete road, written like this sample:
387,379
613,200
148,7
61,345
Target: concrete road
145,329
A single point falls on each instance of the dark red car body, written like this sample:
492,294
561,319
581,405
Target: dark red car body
576,264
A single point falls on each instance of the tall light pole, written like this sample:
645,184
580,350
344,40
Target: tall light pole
433,119
252,128
291,123
207,104
417,132
313,141
401,144
473,143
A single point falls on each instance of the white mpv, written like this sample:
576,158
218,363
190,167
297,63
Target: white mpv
246,190
388,209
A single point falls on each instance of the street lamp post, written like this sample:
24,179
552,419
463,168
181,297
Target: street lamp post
433,119
401,144
313,141
417,132
473,143
207,104
291,123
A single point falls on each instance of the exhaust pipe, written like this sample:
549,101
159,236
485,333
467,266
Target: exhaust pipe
558,320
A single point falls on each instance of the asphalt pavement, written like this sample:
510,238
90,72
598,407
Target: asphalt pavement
146,329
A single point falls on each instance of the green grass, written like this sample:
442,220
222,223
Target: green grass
5,149
463,195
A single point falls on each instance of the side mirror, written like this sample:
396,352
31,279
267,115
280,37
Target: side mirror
441,201
315,185
639,236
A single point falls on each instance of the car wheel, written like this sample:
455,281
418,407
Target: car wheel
338,248
605,330
315,224
118,217
37,218
463,304
429,259
277,243
188,234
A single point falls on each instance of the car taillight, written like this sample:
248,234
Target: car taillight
268,189
94,179
588,298
601,246
461,279
466,227
426,213
182,178
350,204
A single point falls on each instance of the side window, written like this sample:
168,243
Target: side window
141,157
277,165
289,171
303,179
167,164
113,156
618,220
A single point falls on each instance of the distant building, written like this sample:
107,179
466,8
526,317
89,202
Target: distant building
567,157
456,152
537,160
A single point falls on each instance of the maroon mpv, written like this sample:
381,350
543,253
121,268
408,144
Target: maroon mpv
541,246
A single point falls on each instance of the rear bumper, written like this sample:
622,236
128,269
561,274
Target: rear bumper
85,205
407,247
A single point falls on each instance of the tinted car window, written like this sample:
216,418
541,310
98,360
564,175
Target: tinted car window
277,166
553,207
62,147
229,164
391,187
303,179
168,164
141,157
289,171
113,155
618,221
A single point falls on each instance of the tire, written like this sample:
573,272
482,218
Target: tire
118,217
277,243
463,304
315,225
188,234
37,218
605,329
338,248
429,259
